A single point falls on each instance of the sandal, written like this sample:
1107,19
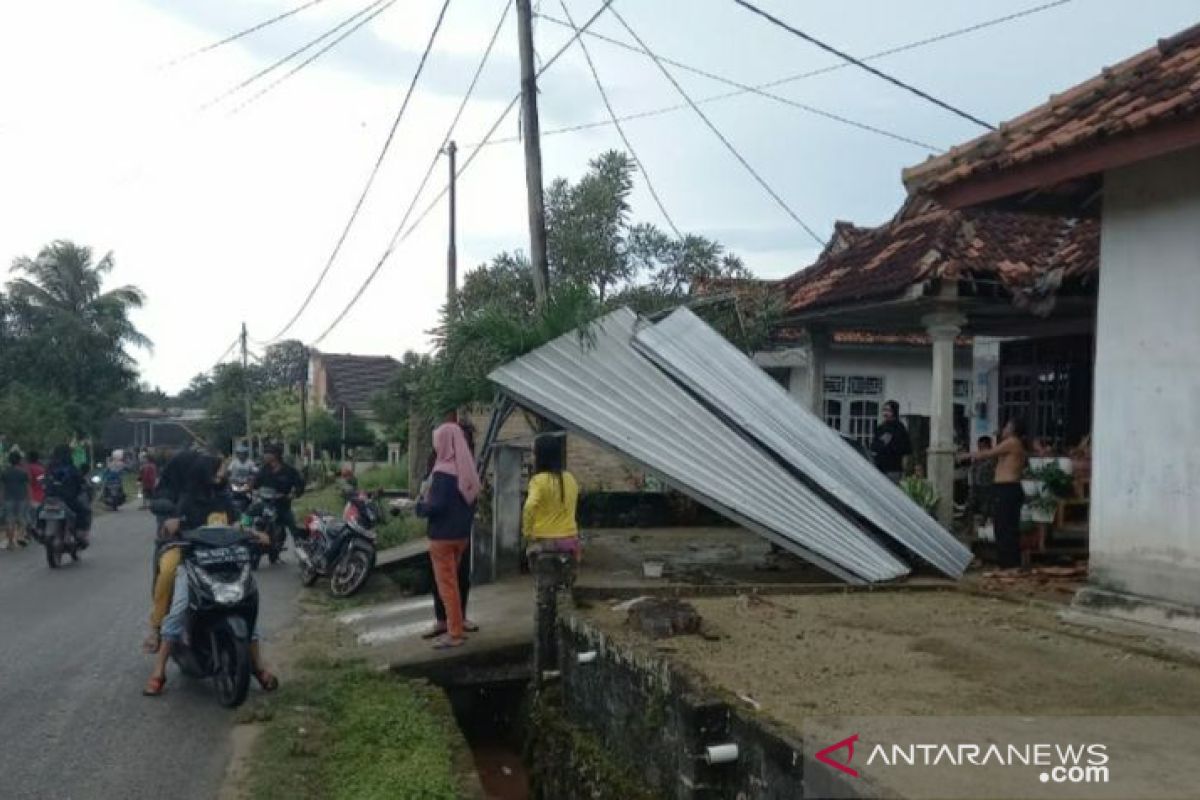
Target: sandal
155,686
447,642
266,680
470,627
434,632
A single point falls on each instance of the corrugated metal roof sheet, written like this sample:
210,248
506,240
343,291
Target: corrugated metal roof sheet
602,388
700,358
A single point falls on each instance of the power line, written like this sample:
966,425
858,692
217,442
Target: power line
237,340
699,112
861,64
400,234
280,62
790,78
620,129
240,34
349,32
748,89
370,178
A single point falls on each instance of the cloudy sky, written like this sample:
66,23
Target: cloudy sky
222,217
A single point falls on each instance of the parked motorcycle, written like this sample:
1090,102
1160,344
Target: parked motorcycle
343,550
267,520
57,532
222,611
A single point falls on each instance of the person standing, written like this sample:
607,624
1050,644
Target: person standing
14,482
448,502
891,443
147,479
1007,495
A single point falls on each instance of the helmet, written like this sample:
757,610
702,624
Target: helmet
242,450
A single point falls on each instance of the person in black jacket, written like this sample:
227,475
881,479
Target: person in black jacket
891,442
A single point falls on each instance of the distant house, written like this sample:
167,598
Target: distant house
342,382
1122,148
153,429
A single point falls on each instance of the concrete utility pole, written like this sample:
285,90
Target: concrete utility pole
531,131
304,411
452,250
246,387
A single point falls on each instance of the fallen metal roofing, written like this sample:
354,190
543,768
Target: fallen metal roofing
723,377
601,387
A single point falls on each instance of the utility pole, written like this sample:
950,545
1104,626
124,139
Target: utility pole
246,387
531,132
452,250
304,410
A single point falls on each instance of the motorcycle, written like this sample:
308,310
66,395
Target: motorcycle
113,492
343,550
58,535
268,522
241,495
222,611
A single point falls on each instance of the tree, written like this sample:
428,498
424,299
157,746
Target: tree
225,408
394,405
283,365
67,338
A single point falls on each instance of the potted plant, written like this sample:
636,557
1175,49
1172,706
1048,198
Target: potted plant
921,492
1054,479
1043,508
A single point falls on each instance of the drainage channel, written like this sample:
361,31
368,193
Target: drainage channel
492,719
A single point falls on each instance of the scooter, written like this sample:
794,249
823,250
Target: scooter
343,550
267,521
222,611
57,525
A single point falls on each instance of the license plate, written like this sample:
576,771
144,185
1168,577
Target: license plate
54,513
220,555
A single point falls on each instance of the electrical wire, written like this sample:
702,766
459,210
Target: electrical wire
862,65
941,37
237,340
716,131
401,234
240,107
744,88
240,34
377,5
370,178
620,129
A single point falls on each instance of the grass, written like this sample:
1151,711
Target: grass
347,733
392,479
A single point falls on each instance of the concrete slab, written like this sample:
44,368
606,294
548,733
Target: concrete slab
389,634
403,555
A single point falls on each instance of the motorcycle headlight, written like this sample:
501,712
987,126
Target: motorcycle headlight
228,594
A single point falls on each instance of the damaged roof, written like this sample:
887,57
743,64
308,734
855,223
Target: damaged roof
597,384
1147,94
927,242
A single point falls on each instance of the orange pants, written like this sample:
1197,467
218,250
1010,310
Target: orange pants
445,555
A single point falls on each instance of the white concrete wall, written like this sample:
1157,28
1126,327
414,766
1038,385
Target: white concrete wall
1145,512
907,374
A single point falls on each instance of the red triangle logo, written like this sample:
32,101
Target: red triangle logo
848,745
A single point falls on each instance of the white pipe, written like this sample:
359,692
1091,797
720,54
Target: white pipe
721,753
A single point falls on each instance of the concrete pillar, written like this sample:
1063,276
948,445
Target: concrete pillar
818,354
506,510
943,329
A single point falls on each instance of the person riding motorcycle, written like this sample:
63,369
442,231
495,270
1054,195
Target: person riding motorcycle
202,500
241,469
285,480
65,482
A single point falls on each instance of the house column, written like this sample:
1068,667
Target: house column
818,354
943,329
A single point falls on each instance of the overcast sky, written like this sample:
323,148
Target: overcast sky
221,218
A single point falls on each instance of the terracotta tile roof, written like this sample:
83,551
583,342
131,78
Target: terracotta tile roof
791,335
1152,89
353,380
1021,252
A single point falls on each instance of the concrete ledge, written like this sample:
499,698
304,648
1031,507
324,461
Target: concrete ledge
1138,609
597,592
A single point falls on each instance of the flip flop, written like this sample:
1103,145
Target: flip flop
470,627
434,632
446,643
266,680
155,686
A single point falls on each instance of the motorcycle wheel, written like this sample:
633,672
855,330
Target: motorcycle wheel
351,573
53,552
308,576
232,676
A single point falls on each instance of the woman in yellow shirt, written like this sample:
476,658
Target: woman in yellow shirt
548,522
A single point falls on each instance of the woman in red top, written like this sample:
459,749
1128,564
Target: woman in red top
148,478
36,471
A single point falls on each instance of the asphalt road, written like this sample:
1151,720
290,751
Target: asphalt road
73,722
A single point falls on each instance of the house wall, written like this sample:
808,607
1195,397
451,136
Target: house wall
1145,510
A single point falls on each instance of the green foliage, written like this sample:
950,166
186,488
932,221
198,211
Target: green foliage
34,419
921,492
67,339
1057,482
390,479
394,404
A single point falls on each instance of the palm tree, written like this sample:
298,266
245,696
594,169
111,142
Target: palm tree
63,289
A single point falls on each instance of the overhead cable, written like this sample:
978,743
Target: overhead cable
717,132
373,9
401,233
744,88
620,129
387,143
240,34
862,65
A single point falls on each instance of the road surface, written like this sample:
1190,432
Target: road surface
73,722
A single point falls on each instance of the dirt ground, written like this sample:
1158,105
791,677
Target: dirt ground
901,653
